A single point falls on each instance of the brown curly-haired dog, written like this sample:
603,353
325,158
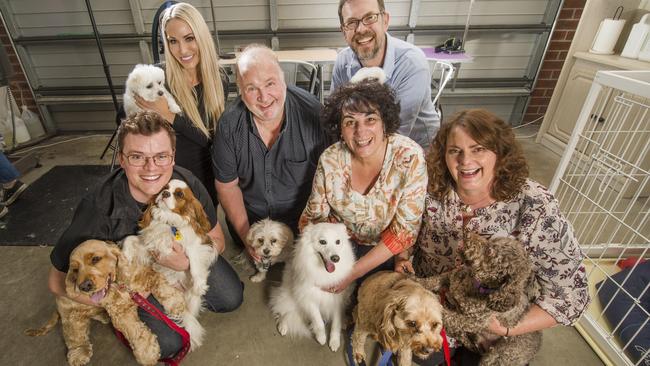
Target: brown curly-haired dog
400,314
496,279
98,269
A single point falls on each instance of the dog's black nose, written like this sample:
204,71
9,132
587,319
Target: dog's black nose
335,258
266,251
86,285
165,194
160,92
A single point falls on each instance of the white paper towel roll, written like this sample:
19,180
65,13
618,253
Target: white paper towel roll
607,35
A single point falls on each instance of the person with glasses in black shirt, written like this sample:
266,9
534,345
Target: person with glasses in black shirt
112,209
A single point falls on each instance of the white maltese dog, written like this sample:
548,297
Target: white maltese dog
147,81
270,240
322,257
374,72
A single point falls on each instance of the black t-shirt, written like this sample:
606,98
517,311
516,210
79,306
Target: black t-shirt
109,212
275,182
193,146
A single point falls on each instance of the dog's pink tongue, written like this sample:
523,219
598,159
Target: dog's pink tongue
98,296
329,266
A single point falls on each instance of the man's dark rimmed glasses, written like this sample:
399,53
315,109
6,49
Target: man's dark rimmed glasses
369,19
141,160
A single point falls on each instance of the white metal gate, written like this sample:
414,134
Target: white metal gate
602,184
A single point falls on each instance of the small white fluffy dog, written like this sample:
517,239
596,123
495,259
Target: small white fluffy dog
323,256
147,81
176,215
271,240
369,73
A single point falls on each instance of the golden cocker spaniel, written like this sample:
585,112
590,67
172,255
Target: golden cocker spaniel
400,314
99,270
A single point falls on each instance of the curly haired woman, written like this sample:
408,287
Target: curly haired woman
373,180
478,182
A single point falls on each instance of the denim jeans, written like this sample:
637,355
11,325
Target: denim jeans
225,294
8,172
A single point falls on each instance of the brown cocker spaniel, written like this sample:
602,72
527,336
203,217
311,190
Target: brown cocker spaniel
496,279
99,270
400,314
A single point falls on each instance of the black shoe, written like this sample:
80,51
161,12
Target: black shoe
9,195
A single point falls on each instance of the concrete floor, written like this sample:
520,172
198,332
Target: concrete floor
244,337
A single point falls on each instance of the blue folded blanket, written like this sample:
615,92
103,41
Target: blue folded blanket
625,311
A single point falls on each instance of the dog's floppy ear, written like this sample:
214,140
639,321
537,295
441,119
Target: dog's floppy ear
287,235
71,277
147,217
199,215
505,298
122,265
509,293
389,336
250,235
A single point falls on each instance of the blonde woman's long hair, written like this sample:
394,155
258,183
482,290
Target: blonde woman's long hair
208,69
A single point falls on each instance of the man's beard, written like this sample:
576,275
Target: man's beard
362,52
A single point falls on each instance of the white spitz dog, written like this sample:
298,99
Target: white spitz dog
323,256
272,241
147,81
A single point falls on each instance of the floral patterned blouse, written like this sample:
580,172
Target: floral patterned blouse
391,211
534,218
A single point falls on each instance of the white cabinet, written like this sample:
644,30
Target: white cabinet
562,119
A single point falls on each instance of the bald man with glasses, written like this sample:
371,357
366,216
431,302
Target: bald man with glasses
364,24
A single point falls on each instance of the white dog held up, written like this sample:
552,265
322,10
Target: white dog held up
322,258
147,81
176,215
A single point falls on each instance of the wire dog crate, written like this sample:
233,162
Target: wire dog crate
602,184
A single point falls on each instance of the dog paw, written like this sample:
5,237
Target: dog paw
80,356
258,277
335,343
102,318
321,338
283,328
359,358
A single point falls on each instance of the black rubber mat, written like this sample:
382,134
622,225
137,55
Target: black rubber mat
41,213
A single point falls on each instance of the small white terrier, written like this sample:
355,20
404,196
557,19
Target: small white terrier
374,72
322,258
147,81
271,241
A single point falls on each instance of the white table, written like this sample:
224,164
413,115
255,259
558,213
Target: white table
455,59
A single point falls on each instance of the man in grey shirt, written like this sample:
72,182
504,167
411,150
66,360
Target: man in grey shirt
266,146
364,24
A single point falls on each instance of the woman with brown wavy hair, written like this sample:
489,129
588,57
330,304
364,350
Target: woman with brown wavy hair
478,182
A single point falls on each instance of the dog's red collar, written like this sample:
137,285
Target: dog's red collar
445,342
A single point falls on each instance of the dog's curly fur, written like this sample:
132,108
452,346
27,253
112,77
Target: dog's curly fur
400,314
95,269
497,279
272,241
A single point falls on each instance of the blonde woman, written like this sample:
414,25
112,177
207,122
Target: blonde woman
198,84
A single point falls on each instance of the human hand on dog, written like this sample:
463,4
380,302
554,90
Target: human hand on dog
251,252
341,286
159,106
403,265
495,326
176,260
